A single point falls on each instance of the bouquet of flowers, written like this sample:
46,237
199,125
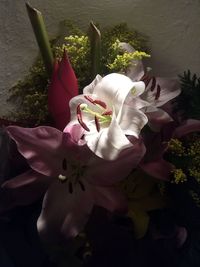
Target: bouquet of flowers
116,169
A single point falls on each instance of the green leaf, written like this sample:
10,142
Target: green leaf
41,35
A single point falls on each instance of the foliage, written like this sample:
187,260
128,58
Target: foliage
189,99
30,93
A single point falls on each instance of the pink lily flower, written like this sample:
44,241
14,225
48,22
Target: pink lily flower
62,88
73,178
158,91
154,163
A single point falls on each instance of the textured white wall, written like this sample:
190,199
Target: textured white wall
172,26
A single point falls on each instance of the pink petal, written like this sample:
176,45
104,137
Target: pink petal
160,169
158,119
43,147
110,198
23,189
64,214
106,173
187,127
62,88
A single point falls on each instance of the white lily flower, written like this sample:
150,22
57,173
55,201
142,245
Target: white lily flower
158,91
104,115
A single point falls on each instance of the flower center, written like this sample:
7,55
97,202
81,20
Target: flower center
101,114
74,171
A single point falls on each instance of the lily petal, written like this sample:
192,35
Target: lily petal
44,148
158,119
160,169
64,213
131,120
110,198
24,189
188,127
109,142
107,173
170,89
114,89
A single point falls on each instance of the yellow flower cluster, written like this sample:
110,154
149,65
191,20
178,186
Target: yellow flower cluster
179,176
195,197
176,147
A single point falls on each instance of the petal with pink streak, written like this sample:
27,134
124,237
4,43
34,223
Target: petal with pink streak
170,89
110,198
24,189
64,213
44,148
160,169
106,173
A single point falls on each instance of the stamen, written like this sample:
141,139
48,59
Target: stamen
70,187
97,123
89,99
146,79
107,113
158,92
153,85
64,164
79,118
100,103
81,186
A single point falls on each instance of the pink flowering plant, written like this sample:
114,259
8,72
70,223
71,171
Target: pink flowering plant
120,146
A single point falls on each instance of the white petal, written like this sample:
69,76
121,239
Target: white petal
137,103
114,88
170,88
90,88
109,142
131,120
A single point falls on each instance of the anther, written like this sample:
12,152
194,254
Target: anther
157,92
81,186
89,99
97,123
107,113
153,85
100,103
79,118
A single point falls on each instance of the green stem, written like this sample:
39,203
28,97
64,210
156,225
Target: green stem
95,39
41,35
